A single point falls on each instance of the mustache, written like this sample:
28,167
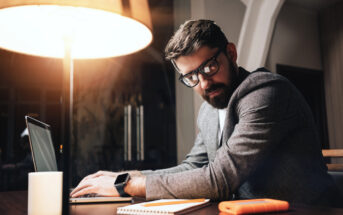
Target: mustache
214,87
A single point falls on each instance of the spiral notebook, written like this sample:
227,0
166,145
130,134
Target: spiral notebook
164,206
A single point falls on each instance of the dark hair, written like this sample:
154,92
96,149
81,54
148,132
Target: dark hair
192,35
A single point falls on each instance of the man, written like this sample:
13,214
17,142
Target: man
256,139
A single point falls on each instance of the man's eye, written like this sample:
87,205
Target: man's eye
191,76
213,65
194,77
210,67
207,69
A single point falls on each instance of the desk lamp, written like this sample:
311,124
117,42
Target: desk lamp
74,29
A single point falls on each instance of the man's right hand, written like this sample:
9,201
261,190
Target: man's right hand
100,183
111,174
101,173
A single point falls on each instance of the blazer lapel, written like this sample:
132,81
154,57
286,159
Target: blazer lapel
211,127
228,127
231,118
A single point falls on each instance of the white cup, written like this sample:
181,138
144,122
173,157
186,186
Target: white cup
45,193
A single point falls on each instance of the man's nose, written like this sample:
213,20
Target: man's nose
203,81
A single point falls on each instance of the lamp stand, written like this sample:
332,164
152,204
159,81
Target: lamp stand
67,118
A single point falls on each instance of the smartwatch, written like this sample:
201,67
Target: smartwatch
120,183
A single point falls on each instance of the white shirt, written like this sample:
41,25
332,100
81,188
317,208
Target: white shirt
222,114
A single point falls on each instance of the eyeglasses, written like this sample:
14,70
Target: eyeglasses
208,68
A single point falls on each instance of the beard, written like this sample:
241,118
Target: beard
222,100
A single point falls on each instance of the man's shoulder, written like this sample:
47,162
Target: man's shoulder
264,75
259,78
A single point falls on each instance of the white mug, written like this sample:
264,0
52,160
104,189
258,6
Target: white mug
45,193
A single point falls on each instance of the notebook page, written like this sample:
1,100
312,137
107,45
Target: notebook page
163,209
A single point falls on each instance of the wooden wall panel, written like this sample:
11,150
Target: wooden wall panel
331,24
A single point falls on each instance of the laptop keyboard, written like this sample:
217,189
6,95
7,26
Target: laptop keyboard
90,195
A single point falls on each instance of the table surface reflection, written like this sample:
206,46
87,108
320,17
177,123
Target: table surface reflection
98,209
15,203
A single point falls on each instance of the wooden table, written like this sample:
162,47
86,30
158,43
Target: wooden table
15,203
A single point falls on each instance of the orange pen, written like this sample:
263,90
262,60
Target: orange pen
173,202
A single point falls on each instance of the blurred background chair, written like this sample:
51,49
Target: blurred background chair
335,165
333,153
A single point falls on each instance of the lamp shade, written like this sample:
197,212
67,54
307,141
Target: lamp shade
96,28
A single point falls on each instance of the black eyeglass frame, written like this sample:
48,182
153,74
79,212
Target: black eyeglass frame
200,69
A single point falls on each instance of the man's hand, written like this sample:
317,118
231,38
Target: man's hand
101,185
101,173
112,174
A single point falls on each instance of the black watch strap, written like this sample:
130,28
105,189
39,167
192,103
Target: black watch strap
120,183
120,189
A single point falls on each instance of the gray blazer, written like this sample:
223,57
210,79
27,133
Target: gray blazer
269,148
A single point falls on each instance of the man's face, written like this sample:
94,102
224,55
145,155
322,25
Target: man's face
217,89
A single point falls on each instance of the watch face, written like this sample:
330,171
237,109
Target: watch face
122,178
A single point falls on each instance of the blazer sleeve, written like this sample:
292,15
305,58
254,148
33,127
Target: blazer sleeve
265,116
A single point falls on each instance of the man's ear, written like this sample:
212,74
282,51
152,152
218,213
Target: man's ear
231,52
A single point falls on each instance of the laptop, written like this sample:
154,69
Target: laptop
44,158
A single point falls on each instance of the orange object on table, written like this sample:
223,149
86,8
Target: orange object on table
252,206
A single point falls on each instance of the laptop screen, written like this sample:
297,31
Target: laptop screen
43,152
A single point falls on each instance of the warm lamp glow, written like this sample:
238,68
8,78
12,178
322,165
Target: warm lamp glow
73,29
41,30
